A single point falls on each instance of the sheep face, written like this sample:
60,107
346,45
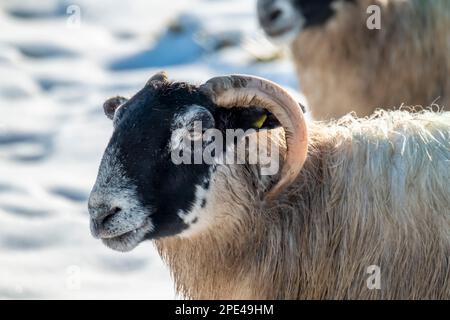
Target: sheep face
283,20
141,192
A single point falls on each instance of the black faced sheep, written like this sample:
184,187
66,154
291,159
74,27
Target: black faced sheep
350,195
344,66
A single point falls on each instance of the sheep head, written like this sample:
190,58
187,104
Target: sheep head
142,191
283,20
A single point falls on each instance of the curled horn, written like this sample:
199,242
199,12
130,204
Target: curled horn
245,91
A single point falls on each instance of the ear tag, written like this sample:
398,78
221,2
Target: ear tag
260,122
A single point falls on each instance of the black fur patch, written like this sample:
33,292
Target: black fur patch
316,12
141,139
205,184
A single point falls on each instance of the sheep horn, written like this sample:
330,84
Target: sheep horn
245,91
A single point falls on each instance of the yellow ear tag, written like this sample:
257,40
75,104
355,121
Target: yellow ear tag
260,122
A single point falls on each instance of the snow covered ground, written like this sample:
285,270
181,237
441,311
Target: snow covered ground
59,60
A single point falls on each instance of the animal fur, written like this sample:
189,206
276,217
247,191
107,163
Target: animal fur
343,66
372,192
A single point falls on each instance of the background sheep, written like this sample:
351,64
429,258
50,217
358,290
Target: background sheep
343,66
370,192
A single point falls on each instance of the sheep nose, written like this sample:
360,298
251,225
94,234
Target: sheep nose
99,214
269,12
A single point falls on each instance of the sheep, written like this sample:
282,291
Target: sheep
351,195
343,66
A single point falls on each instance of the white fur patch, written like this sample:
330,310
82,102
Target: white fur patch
182,125
113,189
286,28
198,218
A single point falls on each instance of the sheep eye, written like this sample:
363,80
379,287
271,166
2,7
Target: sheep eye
195,135
196,131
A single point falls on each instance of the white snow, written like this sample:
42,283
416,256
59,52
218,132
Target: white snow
54,77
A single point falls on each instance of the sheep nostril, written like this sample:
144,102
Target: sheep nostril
114,210
101,214
110,213
275,15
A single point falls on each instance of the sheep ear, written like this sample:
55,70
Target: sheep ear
159,77
110,106
248,118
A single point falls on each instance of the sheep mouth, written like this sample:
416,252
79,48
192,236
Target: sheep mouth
127,241
285,34
278,32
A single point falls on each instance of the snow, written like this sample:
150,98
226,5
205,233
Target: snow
55,75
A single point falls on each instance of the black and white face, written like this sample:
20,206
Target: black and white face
140,193
283,20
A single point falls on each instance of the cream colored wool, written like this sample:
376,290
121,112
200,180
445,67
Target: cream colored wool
372,192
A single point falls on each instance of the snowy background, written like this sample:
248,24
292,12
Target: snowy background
59,60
